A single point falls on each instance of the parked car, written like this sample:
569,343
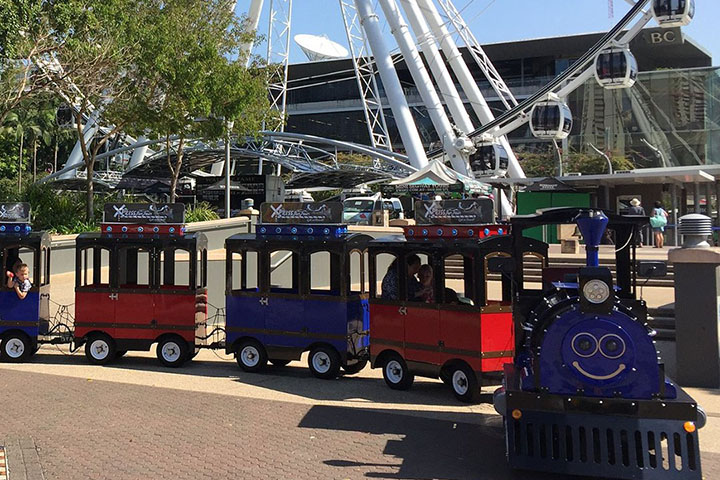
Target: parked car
360,210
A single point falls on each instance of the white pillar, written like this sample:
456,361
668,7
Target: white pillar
425,87
393,90
467,82
138,154
440,73
76,157
253,19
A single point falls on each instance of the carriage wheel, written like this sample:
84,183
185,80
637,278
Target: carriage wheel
16,347
172,351
100,349
251,356
464,383
324,362
396,373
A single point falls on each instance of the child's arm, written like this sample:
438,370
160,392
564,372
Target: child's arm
21,295
9,279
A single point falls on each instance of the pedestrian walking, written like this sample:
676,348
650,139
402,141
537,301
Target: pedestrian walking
658,220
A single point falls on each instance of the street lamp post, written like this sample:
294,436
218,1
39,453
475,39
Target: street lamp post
229,126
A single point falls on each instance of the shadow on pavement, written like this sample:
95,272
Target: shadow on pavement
428,448
294,379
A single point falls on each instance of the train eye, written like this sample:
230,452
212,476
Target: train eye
612,346
585,345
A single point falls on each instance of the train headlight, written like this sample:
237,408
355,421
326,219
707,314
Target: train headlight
596,291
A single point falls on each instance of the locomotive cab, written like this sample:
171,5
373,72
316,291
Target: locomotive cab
298,284
141,280
22,320
586,394
458,325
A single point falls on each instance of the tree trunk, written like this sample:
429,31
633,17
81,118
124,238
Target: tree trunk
20,162
176,171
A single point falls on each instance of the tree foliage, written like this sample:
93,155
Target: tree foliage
545,164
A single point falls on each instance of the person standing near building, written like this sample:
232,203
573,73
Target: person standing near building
637,209
658,220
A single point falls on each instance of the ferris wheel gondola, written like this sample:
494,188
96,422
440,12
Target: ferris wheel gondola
551,120
673,13
616,67
490,157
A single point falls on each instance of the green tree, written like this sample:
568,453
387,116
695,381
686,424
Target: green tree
199,80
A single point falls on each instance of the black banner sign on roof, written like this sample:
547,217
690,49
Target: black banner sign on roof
15,212
144,213
420,188
301,212
474,211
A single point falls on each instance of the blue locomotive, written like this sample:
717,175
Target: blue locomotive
586,394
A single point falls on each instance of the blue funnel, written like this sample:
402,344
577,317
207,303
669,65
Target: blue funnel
592,226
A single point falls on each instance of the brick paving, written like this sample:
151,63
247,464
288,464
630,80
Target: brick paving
75,428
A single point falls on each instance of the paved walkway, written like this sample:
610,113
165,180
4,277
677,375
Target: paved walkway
62,418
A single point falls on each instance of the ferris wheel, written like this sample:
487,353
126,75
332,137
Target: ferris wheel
430,28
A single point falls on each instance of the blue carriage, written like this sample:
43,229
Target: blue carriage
22,320
298,284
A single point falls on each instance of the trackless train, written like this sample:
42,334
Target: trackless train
583,391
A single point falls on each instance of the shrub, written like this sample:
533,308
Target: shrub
201,212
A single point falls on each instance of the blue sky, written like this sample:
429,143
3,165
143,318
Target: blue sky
502,20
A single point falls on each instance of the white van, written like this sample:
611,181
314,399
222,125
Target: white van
359,210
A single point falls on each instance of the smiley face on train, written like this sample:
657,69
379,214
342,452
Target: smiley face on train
598,351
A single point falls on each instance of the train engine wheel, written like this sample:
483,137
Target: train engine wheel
324,362
172,351
100,349
16,347
251,356
396,373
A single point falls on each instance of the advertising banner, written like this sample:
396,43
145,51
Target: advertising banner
475,211
144,213
305,212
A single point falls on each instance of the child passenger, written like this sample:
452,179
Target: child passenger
425,275
20,280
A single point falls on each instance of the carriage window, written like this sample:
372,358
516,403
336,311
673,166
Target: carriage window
533,264
284,271
94,268
134,267
245,271
358,273
19,255
325,273
174,268
416,291
385,264
458,282
494,281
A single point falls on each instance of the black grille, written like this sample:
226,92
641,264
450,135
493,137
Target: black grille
603,446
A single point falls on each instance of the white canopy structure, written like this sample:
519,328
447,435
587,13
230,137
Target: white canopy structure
437,173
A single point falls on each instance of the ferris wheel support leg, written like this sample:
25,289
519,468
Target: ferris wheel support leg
467,82
440,73
421,78
393,90
251,25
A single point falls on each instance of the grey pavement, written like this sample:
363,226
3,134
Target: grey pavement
137,420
